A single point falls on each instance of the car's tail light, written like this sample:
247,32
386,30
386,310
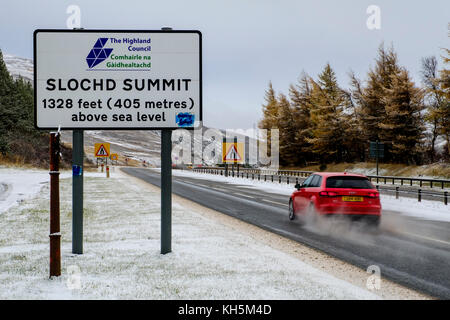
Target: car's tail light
373,195
328,194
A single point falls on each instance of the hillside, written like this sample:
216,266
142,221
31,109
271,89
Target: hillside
20,142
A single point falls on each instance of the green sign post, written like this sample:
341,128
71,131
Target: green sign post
376,150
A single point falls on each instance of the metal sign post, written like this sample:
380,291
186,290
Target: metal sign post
77,191
166,191
376,150
166,187
376,147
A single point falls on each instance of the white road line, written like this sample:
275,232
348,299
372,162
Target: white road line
283,204
426,238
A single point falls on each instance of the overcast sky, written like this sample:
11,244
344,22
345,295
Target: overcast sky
247,43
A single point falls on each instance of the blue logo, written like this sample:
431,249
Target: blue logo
98,53
185,119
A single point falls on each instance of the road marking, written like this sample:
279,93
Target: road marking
283,204
426,238
243,195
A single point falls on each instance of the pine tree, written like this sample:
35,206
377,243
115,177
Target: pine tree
300,96
270,114
371,101
326,114
286,124
403,125
6,120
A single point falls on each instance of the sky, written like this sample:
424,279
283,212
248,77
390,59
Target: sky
247,43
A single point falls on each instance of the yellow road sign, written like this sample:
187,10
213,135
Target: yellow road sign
102,150
232,152
114,156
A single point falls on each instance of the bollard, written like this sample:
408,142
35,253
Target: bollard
102,166
259,177
396,192
107,171
265,178
419,195
272,178
287,179
445,197
279,179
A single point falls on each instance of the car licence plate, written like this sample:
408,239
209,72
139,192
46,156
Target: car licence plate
346,198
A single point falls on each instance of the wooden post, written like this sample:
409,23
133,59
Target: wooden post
55,234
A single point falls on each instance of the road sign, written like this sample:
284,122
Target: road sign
232,152
373,149
102,150
117,79
114,156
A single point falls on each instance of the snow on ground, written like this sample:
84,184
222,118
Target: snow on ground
16,185
210,260
429,210
19,67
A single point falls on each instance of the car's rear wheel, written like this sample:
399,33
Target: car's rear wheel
291,210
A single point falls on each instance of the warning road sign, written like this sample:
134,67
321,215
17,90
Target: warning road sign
232,152
102,150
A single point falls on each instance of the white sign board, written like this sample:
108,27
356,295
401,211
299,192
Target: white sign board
117,79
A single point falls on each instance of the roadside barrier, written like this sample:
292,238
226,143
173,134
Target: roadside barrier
385,184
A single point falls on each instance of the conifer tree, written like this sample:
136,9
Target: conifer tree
6,120
300,96
287,132
270,113
379,79
403,125
326,114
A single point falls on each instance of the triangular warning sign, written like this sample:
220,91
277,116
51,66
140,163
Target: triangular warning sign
102,152
232,154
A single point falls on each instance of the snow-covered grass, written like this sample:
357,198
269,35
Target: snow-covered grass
429,210
16,185
210,260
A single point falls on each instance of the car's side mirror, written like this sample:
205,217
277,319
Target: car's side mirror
297,186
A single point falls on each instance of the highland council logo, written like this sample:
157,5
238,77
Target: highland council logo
98,53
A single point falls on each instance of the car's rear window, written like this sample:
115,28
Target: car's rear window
349,182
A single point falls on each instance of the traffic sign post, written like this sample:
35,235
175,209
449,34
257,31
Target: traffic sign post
118,79
376,150
77,191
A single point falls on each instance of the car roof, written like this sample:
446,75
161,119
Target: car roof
334,174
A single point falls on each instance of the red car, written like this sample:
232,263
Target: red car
336,193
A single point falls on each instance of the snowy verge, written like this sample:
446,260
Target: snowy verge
210,260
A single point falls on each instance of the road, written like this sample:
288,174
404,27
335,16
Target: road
411,252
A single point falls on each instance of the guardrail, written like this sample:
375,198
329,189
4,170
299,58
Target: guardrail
421,182
296,176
